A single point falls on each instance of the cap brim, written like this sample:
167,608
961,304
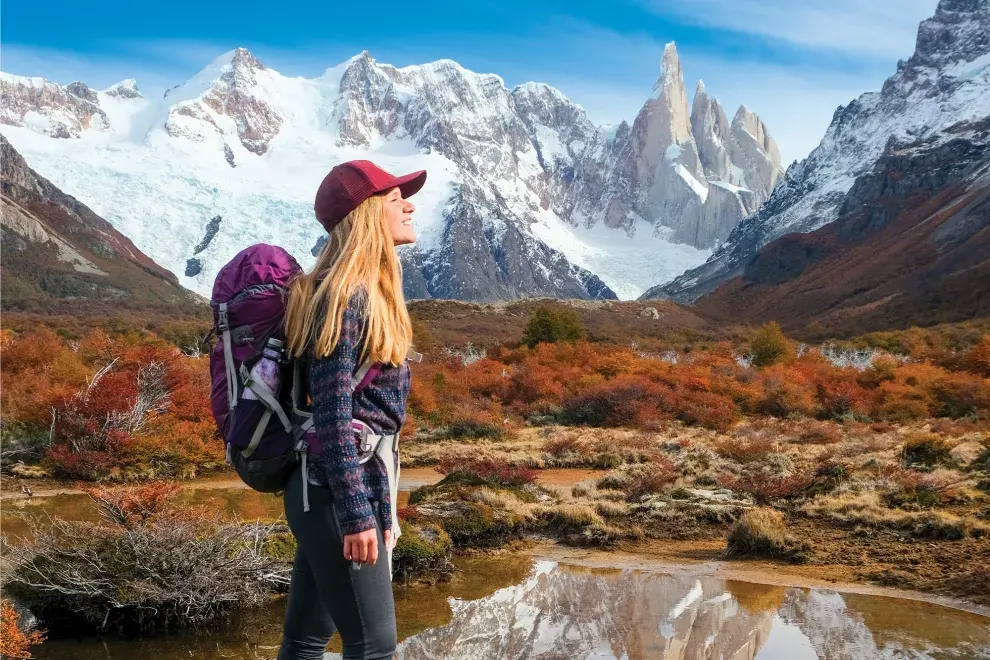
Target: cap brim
410,184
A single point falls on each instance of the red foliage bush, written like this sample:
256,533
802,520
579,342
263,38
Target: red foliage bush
766,488
485,471
563,445
650,479
111,403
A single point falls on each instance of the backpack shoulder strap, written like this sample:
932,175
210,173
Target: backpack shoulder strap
364,375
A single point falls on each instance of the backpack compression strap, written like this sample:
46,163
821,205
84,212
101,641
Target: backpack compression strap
228,358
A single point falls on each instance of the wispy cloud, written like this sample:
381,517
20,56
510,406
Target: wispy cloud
883,29
154,75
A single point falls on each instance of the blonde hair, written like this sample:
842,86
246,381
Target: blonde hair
359,255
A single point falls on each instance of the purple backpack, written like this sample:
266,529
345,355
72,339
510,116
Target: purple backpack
266,437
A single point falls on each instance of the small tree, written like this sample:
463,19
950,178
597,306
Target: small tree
769,346
552,325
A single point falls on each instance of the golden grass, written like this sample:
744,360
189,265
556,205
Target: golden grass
759,532
866,509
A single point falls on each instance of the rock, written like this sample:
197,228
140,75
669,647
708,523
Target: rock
649,313
193,267
125,89
965,453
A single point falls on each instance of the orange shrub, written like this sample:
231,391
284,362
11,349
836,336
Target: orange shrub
110,403
15,643
977,360
786,391
746,451
623,401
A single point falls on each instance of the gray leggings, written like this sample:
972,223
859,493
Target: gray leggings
326,593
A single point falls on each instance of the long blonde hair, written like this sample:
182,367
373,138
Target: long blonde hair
359,255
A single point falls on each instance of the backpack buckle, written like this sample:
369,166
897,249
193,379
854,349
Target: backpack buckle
362,431
222,323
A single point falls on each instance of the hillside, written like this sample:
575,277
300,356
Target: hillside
60,257
911,247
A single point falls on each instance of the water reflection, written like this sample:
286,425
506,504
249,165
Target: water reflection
563,612
513,608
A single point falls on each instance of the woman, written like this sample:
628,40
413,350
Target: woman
350,308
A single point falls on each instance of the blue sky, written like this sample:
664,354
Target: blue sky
791,64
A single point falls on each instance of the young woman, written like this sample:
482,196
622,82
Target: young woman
350,308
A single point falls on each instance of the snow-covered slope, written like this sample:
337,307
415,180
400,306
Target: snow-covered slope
234,156
945,82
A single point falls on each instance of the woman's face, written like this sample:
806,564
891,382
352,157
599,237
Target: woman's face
398,214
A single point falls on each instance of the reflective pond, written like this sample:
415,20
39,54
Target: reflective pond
514,607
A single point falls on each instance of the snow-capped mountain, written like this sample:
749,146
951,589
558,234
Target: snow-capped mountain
946,82
513,206
691,173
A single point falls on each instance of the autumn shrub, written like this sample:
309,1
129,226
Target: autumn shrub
746,450
819,433
15,641
769,346
552,324
977,359
785,392
840,397
106,405
709,410
765,487
484,471
649,479
912,488
623,401
927,449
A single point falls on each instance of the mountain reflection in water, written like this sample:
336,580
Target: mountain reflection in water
508,607
563,612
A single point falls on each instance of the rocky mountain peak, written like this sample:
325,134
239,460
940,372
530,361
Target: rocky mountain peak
748,125
49,108
670,93
125,89
82,91
513,171
228,99
243,59
957,32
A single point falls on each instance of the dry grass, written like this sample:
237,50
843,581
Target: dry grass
609,509
760,532
866,509
569,517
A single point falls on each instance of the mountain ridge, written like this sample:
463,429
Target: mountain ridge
510,208
944,82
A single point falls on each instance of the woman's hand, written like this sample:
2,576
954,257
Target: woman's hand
362,547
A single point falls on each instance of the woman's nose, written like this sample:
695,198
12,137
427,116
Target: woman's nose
409,206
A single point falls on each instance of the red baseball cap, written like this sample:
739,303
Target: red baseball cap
350,183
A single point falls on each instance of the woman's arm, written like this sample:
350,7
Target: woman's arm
330,391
